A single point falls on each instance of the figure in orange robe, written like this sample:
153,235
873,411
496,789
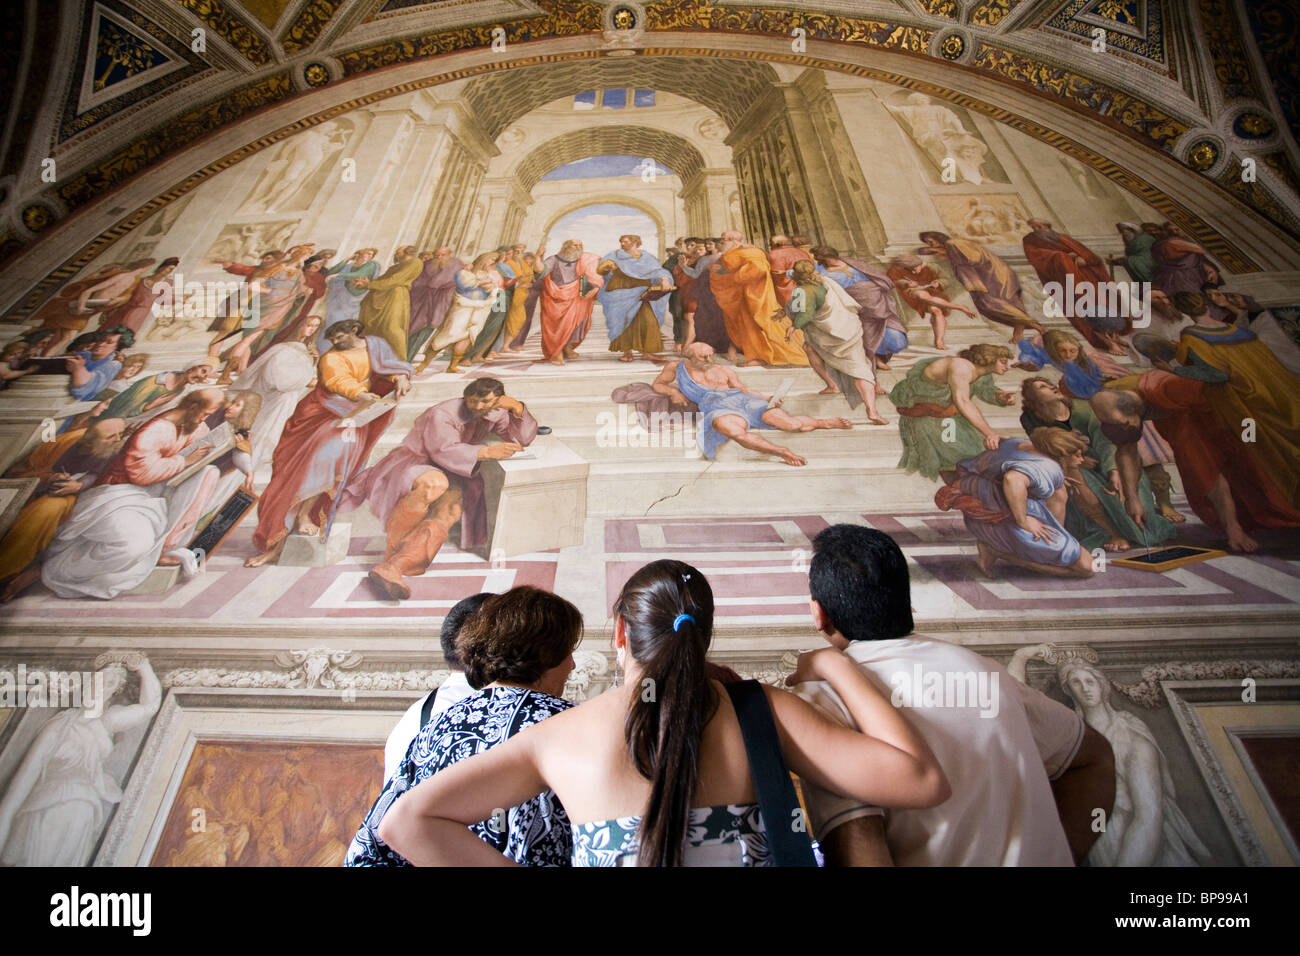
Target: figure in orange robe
741,281
65,466
565,305
783,255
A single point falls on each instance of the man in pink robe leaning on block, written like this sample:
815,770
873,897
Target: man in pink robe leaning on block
421,487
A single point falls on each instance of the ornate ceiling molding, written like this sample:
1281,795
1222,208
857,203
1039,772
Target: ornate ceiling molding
989,38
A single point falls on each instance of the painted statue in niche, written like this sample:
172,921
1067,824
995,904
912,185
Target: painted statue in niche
63,794
296,164
1146,825
244,803
946,135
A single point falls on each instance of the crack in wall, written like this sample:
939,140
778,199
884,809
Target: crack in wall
679,490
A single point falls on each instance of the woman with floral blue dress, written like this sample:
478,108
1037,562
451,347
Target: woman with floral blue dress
517,650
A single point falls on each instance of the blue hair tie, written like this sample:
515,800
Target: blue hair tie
677,621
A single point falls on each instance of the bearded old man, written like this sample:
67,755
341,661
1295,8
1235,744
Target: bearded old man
431,296
133,519
386,310
569,289
741,282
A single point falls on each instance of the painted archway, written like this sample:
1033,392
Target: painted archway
620,199
1240,236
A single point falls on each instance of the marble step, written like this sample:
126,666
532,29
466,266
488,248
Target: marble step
738,484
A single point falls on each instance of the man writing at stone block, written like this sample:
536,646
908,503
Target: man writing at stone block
439,457
1027,773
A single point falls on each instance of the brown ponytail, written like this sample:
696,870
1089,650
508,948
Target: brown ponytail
667,608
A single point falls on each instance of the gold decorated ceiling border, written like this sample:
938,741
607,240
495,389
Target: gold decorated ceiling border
231,28
182,131
1228,253
1103,102
1226,45
309,23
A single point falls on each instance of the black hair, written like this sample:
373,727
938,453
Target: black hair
351,326
453,622
84,341
667,611
483,387
859,576
125,337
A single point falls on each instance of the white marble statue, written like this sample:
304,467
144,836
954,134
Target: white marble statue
62,793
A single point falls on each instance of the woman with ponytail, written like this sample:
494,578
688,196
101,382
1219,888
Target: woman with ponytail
655,772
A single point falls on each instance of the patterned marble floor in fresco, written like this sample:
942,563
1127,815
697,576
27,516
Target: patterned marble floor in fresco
757,567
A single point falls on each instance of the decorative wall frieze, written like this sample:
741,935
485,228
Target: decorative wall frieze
1148,692
1137,118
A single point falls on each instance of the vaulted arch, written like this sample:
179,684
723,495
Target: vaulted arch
729,87
672,151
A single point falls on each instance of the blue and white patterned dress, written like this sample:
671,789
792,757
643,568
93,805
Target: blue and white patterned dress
535,833
715,836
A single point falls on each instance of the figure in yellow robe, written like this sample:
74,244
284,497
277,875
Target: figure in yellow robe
386,309
1258,388
524,275
741,281
78,455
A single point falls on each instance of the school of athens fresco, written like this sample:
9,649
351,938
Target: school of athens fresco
547,323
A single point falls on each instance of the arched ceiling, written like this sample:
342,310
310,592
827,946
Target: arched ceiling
728,87
113,88
672,151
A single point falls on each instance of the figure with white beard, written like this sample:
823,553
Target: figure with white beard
281,375
133,519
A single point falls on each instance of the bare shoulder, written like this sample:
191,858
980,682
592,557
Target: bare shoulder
958,368
789,710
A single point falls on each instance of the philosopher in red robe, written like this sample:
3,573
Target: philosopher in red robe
318,453
1056,256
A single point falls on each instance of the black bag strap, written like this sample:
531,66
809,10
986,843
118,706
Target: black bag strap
791,845
427,709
